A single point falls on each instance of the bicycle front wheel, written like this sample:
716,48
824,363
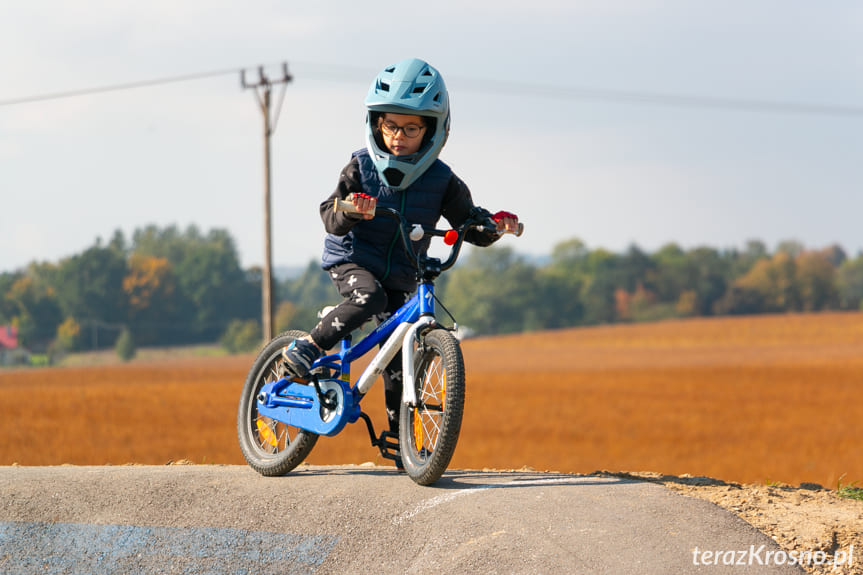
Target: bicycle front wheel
429,431
270,447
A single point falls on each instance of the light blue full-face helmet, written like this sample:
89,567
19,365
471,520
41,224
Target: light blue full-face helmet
408,87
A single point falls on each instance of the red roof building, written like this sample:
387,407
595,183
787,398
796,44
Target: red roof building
8,337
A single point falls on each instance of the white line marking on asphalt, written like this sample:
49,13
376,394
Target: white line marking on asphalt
435,501
447,497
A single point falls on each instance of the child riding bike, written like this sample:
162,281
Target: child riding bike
407,125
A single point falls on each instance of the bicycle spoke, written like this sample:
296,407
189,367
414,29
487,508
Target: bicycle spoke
272,436
429,413
432,430
270,446
267,440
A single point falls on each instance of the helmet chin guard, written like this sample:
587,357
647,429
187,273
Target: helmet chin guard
412,87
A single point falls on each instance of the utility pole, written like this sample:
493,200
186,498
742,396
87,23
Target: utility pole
263,88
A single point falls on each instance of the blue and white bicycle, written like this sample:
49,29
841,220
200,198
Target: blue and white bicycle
281,417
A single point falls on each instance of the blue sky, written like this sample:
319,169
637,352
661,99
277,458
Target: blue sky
528,134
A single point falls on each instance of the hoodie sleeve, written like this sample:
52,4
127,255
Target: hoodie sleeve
458,206
340,223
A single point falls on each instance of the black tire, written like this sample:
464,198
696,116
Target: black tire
428,433
270,447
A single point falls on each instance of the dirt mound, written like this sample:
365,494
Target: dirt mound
805,518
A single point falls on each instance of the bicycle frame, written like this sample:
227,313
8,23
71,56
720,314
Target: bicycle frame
299,404
327,405
279,422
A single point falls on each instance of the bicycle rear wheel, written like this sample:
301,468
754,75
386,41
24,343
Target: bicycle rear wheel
428,432
270,447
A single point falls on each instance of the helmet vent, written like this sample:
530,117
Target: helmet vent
391,69
385,87
419,89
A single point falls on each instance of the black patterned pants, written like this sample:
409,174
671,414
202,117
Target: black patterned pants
365,299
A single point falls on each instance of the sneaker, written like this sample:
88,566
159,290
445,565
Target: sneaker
299,357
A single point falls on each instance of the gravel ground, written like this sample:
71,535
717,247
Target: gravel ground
804,518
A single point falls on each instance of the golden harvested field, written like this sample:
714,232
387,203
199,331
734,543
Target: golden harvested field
774,398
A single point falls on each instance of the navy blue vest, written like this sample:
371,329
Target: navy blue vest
374,244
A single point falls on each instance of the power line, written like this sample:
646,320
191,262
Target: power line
663,98
117,87
351,74
333,72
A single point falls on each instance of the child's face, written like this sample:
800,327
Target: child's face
402,133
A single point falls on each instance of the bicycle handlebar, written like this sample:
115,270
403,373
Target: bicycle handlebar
473,222
349,208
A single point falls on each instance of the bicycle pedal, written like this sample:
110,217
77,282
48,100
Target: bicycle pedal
285,373
388,444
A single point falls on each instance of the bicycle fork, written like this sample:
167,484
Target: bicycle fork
409,392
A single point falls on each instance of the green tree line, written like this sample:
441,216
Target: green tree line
498,291
167,286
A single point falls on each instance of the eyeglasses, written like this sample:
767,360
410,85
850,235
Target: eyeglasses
409,131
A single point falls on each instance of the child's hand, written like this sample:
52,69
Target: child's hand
364,203
506,222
